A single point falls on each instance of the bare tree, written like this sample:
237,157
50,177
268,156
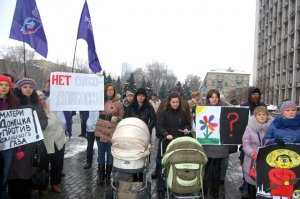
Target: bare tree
193,82
139,76
16,54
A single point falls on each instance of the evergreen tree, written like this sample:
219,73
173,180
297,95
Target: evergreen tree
178,88
109,80
131,83
119,85
105,78
163,92
187,94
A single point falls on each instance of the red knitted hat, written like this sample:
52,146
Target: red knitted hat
7,79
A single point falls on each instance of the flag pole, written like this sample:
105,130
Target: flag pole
24,60
74,56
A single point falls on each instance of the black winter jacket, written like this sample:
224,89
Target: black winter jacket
145,113
170,121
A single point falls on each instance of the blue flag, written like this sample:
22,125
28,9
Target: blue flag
27,26
85,31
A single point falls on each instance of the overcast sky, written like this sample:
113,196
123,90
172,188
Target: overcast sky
190,36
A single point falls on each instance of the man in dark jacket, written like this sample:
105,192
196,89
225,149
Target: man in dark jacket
254,97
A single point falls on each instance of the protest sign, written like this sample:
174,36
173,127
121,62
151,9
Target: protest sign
76,92
217,125
19,127
278,172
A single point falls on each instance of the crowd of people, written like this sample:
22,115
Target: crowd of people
27,170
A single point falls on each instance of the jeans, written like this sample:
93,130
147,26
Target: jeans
104,148
6,158
90,147
68,117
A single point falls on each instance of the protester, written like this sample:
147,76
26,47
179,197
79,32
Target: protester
155,102
216,166
286,127
7,101
54,140
252,140
128,99
173,121
113,112
20,180
142,109
193,103
254,99
84,115
69,122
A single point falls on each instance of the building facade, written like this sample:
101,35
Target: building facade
277,64
224,81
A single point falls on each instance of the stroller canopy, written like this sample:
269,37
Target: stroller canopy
131,140
183,150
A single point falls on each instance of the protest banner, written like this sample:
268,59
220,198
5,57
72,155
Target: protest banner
217,125
76,92
19,127
278,172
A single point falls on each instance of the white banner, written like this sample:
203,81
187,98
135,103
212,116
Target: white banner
19,127
76,92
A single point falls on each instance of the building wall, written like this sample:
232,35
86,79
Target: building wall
278,50
224,82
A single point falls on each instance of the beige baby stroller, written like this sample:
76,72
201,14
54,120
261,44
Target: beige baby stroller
183,164
131,151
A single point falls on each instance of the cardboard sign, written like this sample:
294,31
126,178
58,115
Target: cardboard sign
76,92
278,172
19,127
217,125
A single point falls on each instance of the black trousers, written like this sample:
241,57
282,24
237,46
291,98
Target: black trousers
19,188
56,161
212,175
251,191
90,147
84,115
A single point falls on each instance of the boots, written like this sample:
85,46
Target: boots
101,174
108,173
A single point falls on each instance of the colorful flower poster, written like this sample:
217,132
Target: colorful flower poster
216,125
208,124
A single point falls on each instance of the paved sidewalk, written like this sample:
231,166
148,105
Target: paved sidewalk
82,184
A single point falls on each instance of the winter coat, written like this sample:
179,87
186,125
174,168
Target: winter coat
252,105
286,130
145,113
22,168
217,151
54,134
155,104
108,119
170,121
252,139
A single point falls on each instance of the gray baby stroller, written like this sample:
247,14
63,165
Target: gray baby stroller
131,152
183,164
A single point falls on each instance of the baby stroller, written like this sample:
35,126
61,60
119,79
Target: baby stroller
183,164
131,154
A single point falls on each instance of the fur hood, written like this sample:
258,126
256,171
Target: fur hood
257,127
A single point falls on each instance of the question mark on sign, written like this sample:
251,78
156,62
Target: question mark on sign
233,117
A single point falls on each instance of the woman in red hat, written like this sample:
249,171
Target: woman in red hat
7,101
